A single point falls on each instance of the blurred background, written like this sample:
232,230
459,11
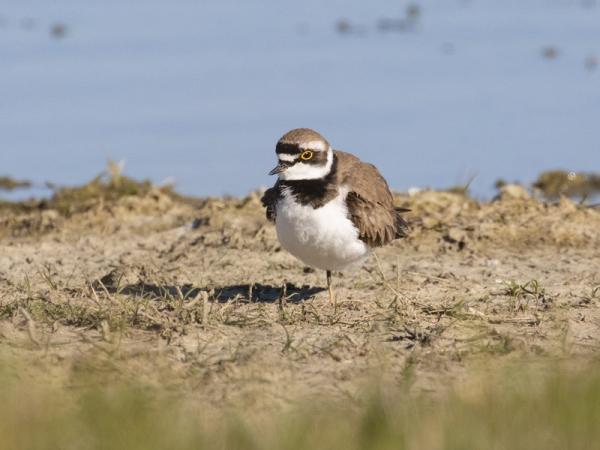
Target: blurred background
197,92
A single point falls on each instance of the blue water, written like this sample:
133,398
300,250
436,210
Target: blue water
200,90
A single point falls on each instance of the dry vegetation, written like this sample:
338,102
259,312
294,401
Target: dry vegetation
121,302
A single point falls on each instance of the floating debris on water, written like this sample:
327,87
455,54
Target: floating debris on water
413,11
58,30
407,23
343,26
550,52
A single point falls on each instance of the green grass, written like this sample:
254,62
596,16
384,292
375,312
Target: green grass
510,409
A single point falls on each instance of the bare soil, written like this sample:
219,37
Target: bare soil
197,295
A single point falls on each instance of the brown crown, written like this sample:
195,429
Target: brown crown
294,141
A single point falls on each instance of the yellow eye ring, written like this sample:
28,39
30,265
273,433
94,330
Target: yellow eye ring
305,156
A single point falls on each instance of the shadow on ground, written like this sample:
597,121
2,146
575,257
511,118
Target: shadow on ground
240,292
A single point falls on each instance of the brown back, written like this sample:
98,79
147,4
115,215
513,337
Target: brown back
370,201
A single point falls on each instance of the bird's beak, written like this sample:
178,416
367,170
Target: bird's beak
281,167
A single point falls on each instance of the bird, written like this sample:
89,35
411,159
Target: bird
330,209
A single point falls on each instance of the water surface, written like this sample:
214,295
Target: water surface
201,90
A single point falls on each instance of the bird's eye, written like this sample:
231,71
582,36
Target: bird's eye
305,156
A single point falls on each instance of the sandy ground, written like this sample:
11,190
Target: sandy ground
197,295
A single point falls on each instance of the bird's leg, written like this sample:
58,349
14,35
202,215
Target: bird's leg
330,288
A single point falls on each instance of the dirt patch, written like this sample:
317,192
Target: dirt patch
198,295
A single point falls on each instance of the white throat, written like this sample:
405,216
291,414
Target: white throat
305,171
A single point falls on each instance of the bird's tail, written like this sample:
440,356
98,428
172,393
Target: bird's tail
402,227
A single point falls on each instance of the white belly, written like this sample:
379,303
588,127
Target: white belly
324,238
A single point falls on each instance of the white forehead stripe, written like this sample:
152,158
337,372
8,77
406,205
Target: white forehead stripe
287,157
318,146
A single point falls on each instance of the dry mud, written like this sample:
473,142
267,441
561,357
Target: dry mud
196,295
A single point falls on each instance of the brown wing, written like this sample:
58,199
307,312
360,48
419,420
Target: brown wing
270,199
370,202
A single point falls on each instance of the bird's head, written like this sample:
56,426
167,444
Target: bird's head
303,155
